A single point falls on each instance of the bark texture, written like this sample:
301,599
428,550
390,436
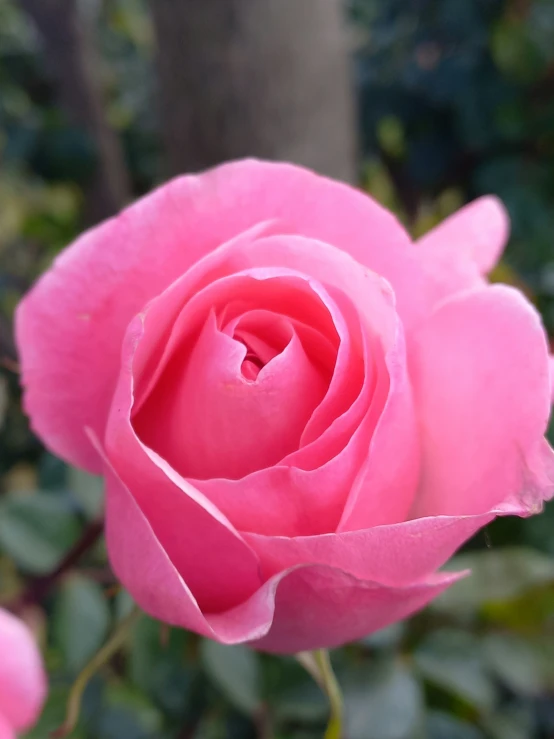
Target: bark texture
265,78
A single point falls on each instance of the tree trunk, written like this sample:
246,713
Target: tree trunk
70,55
265,78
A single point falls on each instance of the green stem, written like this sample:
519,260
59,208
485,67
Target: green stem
318,664
114,643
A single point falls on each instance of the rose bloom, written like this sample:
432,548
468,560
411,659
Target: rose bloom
22,679
300,413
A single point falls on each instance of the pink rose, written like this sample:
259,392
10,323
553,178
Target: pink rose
300,414
22,679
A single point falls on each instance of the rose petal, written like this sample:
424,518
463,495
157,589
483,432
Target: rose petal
22,678
326,437
285,500
6,731
205,418
318,607
395,554
276,499
393,464
465,246
385,487
171,505
552,378
481,380
349,393
362,298
70,326
292,502
152,579
300,608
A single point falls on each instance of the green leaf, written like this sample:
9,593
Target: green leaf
443,726
453,660
88,490
291,692
384,701
543,644
303,703
513,722
157,666
391,136
52,716
4,399
52,472
80,621
124,604
496,575
127,714
146,650
37,530
514,52
517,663
388,638
236,671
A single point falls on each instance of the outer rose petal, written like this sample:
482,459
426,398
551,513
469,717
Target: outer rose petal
22,678
482,388
219,567
465,246
395,554
317,607
70,326
300,608
6,731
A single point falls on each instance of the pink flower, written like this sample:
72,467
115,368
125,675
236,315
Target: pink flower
300,414
22,679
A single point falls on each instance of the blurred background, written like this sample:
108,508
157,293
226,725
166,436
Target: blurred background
425,104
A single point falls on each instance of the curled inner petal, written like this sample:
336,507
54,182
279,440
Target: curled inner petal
237,391
264,335
309,349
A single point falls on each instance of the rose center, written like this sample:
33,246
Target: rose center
250,361
264,336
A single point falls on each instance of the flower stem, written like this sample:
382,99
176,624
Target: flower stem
114,643
318,664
